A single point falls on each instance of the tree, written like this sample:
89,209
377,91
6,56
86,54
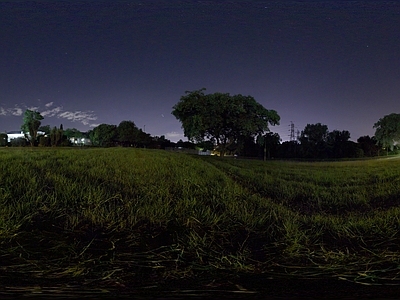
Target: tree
3,139
73,133
31,125
160,142
313,140
368,145
53,136
44,141
44,138
222,118
18,142
60,134
144,139
338,143
206,145
288,149
185,144
45,128
387,131
73,136
270,142
103,135
92,136
128,133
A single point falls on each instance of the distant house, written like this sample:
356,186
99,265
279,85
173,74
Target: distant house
15,135
81,141
19,134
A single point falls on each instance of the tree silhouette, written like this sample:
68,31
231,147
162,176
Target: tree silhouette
31,125
222,118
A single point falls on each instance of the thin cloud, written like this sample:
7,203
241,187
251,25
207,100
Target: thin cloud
84,117
13,111
78,116
51,112
173,135
16,111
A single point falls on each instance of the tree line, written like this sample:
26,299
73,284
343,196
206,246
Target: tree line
126,134
315,142
227,124
239,125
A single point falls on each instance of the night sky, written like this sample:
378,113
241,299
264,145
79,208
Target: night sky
83,63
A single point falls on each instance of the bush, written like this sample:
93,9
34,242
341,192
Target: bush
18,142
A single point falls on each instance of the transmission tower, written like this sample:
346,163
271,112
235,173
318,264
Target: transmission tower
292,137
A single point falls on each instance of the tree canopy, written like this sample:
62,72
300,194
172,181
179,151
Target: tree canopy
368,145
269,141
31,125
317,142
314,134
57,137
103,135
387,130
222,118
313,140
337,142
45,128
73,133
128,133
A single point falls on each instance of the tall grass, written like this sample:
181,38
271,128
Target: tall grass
137,215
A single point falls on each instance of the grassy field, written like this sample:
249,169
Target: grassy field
136,217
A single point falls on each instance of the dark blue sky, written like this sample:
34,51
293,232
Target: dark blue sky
83,63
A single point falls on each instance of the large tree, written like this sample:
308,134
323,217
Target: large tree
387,131
31,125
128,133
222,118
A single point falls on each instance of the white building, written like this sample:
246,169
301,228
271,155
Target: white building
80,141
19,134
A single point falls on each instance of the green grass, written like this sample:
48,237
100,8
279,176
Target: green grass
139,216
